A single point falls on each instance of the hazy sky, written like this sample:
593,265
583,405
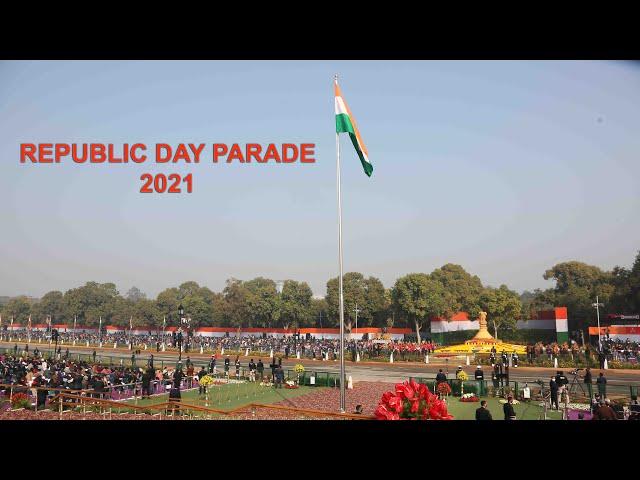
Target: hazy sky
503,167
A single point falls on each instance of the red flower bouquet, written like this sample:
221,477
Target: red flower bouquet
411,401
444,388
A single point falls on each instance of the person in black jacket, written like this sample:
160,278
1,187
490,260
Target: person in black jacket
177,378
483,412
260,369
602,385
509,412
553,386
441,377
226,365
146,382
587,376
41,395
279,377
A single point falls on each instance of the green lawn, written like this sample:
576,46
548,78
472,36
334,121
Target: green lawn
524,411
228,397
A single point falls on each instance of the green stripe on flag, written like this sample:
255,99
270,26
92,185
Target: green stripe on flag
368,168
344,125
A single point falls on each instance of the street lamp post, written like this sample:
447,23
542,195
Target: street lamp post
597,306
357,310
179,336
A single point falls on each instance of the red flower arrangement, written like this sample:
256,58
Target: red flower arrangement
470,398
411,401
444,388
20,400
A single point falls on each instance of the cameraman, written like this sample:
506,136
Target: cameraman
562,382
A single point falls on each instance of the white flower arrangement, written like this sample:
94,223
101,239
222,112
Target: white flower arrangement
468,395
291,383
515,402
579,406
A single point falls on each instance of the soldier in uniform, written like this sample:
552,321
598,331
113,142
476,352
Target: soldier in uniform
492,358
514,359
252,371
226,365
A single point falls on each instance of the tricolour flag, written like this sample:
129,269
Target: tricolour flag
345,123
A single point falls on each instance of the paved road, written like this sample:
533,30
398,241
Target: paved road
362,371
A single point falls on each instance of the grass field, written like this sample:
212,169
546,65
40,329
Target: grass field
228,397
524,411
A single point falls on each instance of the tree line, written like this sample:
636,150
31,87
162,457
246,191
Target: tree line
411,302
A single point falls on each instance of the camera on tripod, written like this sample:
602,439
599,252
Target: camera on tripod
575,371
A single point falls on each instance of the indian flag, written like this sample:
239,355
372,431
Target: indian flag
346,123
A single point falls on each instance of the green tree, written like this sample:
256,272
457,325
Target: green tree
464,287
196,307
577,285
263,302
319,313
503,308
417,298
167,302
368,294
135,294
52,303
626,296
188,289
295,304
90,302
236,305
19,308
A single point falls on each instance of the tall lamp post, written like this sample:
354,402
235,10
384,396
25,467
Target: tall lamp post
597,306
179,334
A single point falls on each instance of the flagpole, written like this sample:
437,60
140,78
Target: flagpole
342,371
